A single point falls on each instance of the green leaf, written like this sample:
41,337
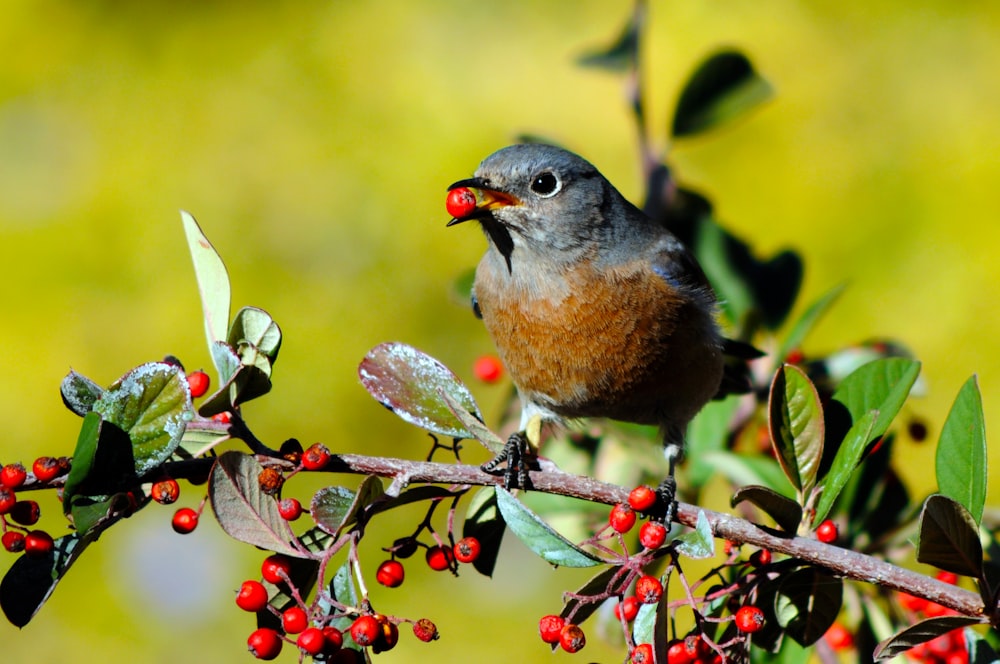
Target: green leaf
921,632
30,581
539,536
978,649
152,403
844,463
409,383
961,452
949,537
623,53
335,508
244,511
708,432
79,393
254,331
213,282
473,426
786,512
484,522
743,469
723,87
698,543
881,385
807,603
806,322
796,423
712,246
83,457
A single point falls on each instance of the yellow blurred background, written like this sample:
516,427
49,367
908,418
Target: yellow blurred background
314,142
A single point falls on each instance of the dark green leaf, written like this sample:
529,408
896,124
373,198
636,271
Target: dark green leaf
152,404
79,393
786,512
712,246
921,632
484,522
244,511
83,457
698,543
978,649
807,603
723,87
213,282
881,385
334,508
579,604
409,383
961,451
796,423
806,322
949,537
539,536
30,580
621,55
847,459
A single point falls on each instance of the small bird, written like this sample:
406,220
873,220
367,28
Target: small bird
595,309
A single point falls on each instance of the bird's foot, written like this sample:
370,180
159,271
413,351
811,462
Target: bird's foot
667,499
519,460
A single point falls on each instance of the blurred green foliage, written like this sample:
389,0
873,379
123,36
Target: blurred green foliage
314,142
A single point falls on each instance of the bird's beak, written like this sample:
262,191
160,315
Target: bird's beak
487,200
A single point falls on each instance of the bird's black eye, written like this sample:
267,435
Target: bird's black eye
546,184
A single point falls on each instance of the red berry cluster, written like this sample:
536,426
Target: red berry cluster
555,630
947,648
438,557
17,516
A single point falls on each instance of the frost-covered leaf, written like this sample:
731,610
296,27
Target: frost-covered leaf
786,512
152,404
409,383
795,419
244,511
949,537
213,281
961,451
539,536
79,393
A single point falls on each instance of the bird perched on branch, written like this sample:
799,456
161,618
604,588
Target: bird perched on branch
596,310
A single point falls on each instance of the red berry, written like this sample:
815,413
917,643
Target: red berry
185,520
749,619
198,382
365,630
38,543
225,417
572,638
461,202
252,596
289,508
642,498
761,558
622,518
425,630
795,356
694,646
652,534
826,532
467,549
13,541
46,468
316,457
311,641
947,577
642,654
13,475
294,620
26,512
839,637
550,627
165,492
648,589
627,608
264,643
276,568
333,638
390,574
488,368
911,602
676,653
440,558
7,499
935,610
